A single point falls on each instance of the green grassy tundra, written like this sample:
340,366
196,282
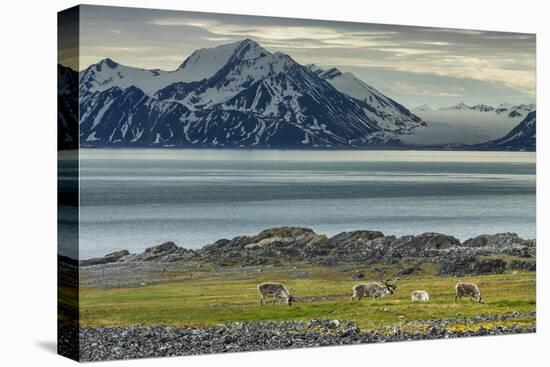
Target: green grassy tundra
210,298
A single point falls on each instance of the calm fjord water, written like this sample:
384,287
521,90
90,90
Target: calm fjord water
133,199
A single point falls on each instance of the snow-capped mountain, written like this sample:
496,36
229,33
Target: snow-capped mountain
234,95
519,110
521,137
503,108
67,108
388,114
462,124
482,108
202,64
460,106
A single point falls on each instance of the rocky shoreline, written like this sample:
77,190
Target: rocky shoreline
287,245
108,343
286,248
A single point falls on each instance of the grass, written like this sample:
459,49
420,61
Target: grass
209,299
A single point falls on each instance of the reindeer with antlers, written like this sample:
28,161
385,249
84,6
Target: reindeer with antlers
276,290
374,290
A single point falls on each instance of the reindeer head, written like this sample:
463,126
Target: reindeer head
290,297
389,285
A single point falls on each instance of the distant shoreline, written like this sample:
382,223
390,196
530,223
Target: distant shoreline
295,244
464,148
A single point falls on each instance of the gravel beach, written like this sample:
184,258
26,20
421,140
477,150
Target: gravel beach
110,343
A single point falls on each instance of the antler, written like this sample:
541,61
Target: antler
385,280
392,281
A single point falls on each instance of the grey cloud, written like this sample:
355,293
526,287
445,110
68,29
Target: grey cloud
484,64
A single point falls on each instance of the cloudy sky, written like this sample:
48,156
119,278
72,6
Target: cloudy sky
414,65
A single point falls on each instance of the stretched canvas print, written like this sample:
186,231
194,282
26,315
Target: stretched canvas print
239,183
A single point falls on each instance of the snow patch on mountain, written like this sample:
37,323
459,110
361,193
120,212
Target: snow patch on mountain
503,108
236,95
461,125
201,64
482,108
389,114
521,137
204,63
460,106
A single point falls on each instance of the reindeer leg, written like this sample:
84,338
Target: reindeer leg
274,299
261,301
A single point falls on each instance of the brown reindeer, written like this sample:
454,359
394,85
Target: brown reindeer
374,290
276,290
467,289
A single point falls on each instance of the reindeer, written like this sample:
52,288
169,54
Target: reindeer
374,290
467,289
276,290
420,296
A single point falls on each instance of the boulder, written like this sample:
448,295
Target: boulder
109,258
162,249
522,265
283,245
498,239
427,244
470,265
272,246
409,270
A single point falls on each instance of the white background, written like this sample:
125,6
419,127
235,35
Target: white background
28,179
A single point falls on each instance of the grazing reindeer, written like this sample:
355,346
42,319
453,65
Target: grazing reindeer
467,289
374,290
420,296
276,290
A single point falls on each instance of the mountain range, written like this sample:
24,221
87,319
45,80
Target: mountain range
503,108
236,95
521,137
239,95
67,108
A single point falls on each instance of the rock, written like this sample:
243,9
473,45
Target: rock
409,270
425,245
358,275
355,237
162,249
522,265
523,251
489,266
109,258
287,245
275,245
101,343
499,239
470,265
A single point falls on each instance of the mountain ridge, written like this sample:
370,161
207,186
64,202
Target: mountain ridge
245,96
521,137
509,109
